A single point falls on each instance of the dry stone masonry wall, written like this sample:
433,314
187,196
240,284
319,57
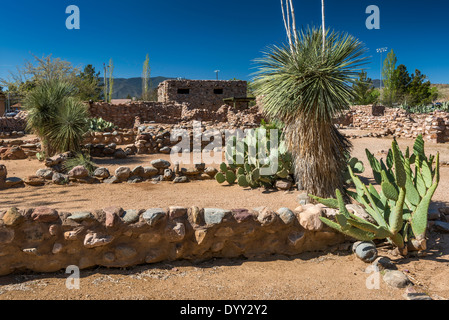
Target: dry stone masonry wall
12,126
201,94
45,240
398,122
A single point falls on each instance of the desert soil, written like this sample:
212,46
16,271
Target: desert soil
336,275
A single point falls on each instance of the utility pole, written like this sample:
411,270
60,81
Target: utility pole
381,51
217,71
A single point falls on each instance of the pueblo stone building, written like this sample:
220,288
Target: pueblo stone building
204,94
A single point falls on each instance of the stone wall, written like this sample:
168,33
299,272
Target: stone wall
2,104
45,240
123,115
201,94
11,126
398,122
118,137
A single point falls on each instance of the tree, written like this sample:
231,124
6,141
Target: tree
35,72
146,79
401,81
305,88
419,92
364,90
88,84
108,81
57,116
105,83
111,79
389,91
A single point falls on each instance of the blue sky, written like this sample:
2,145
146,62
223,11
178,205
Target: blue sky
194,38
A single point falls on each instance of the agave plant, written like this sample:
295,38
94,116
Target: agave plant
401,206
305,85
56,116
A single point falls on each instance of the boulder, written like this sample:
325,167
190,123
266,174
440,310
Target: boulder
283,184
78,172
44,214
149,172
123,173
45,173
34,181
309,218
13,182
160,164
120,154
153,216
14,153
101,173
59,178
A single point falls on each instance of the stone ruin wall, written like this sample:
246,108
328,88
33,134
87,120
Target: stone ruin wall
124,115
45,240
398,122
202,94
12,126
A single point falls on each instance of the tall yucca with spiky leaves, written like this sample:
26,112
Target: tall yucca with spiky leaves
305,87
56,116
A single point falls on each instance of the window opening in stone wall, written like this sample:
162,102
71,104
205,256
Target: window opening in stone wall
183,91
218,91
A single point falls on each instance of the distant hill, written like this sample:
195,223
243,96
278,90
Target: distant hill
376,83
133,86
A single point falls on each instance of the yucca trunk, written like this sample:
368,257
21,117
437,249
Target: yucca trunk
320,155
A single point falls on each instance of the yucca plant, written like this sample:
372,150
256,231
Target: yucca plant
305,87
56,116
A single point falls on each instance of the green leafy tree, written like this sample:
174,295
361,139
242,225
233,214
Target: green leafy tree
364,90
305,88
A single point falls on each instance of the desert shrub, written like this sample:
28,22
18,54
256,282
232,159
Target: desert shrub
80,159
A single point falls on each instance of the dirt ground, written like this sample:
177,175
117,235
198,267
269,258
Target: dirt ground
337,275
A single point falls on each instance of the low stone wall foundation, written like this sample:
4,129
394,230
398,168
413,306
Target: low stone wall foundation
45,240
